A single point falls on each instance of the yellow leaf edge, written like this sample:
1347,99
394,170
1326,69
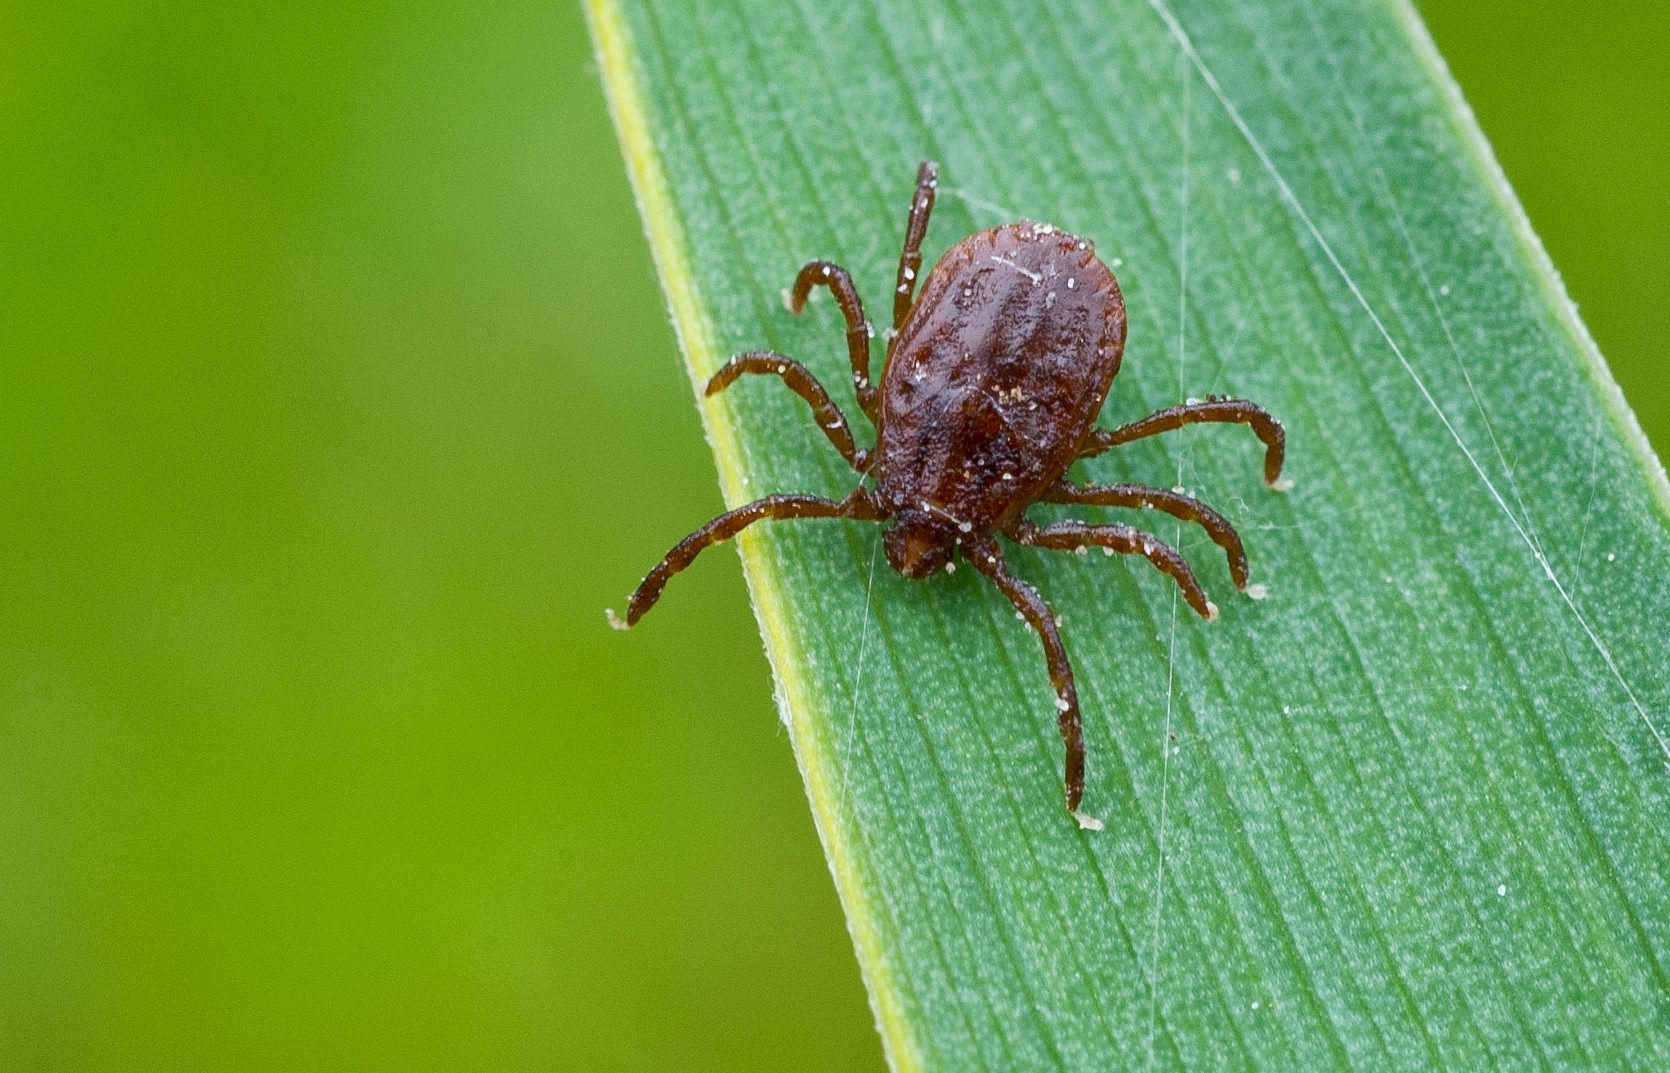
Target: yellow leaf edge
612,44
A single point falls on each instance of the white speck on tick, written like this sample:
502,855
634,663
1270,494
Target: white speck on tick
826,270
968,292
1027,272
1062,705
1008,476
909,273
1071,282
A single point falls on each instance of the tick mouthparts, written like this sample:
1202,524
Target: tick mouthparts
1087,822
615,620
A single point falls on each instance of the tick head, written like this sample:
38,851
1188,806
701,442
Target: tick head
918,544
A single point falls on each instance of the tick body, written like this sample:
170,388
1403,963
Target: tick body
992,383
994,379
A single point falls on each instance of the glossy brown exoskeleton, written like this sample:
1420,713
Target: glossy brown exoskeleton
991,386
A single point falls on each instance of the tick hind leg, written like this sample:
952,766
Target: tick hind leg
1235,411
839,281
989,561
1076,536
1175,504
916,229
829,416
727,525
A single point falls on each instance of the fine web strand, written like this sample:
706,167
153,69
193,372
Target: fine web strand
974,201
863,649
1181,36
1156,925
1432,296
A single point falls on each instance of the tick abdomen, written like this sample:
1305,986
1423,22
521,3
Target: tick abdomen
998,373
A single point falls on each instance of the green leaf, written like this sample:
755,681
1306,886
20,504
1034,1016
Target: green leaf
1409,811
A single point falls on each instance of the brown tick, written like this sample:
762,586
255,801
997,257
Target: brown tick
991,386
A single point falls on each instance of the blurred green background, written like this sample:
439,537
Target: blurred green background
338,401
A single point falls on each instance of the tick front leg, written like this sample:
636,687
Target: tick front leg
839,282
829,416
727,525
1175,504
1236,411
916,229
1076,536
989,561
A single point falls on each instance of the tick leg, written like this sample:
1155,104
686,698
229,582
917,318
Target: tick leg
1075,536
1175,504
727,525
916,229
802,383
989,561
839,282
1235,411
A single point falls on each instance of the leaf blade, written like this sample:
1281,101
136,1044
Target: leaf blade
918,717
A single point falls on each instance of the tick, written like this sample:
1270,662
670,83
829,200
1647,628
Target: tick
989,392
